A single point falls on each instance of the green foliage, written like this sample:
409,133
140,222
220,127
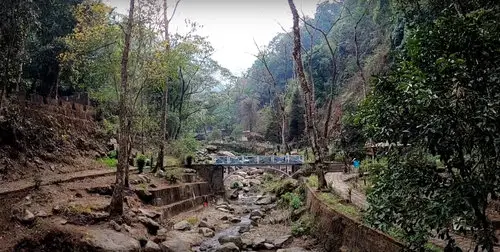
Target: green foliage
304,226
141,162
109,162
216,135
312,181
235,185
173,175
291,200
183,147
113,154
442,99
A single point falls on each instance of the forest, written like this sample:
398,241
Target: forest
421,78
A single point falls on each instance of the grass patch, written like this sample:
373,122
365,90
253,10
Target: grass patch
79,209
109,162
192,220
312,181
172,161
337,204
173,175
429,247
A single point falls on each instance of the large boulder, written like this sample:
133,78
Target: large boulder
151,247
180,241
231,239
228,247
111,241
265,200
282,241
206,232
150,224
182,225
211,148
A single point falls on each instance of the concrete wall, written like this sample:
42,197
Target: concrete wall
214,175
339,231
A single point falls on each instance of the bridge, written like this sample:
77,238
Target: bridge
259,160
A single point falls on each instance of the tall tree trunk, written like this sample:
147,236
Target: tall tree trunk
116,206
164,116
308,99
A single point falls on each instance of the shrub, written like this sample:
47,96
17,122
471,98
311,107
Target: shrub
312,181
235,185
183,147
109,162
292,200
113,154
141,162
304,226
173,175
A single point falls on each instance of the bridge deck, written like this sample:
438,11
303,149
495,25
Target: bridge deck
259,160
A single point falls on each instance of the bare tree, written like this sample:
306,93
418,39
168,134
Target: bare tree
116,206
309,101
164,116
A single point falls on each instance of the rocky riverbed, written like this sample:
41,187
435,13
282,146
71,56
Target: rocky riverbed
249,220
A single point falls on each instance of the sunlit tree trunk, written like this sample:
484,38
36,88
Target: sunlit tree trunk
307,89
116,206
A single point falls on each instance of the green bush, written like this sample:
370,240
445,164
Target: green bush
141,162
292,200
183,147
312,181
109,162
113,154
304,226
235,185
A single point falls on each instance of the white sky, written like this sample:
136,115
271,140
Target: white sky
232,25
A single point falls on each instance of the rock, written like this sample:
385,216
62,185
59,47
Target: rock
211,148
268,246
115,225
246,210
109,240
235,220
256,213
151,247
282,241
226,154
56,209
149,213
127,228
180,241
258,243
204,224
231,239
182,226
42,214
244,229
234,195
26,217
295,249
63,221
222,209
254,223
150,224
224,217
246,189
228,247
144,195
206,232
255,218
78,195
144,179
265,200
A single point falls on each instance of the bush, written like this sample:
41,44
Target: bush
141,162
192,220
312,181
304,226
109,162
113,154
173,175
292,200
183,147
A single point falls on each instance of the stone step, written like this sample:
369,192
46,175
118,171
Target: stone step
181,206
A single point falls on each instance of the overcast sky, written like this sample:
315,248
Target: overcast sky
232,25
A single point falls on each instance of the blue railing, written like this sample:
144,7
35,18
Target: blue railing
259,160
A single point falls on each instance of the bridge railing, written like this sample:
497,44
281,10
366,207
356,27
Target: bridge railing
259,160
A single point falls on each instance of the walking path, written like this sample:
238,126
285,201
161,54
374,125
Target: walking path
339,183
27,184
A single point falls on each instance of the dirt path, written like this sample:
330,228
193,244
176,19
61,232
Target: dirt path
339,183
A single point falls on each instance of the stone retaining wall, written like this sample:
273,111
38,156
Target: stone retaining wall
337,230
